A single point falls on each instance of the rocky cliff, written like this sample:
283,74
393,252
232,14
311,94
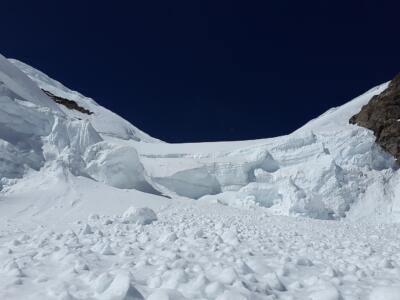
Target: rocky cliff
382,116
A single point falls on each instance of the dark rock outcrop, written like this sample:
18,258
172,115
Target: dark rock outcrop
382,116
70,104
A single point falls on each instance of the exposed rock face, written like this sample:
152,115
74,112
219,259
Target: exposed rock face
67,103
382,116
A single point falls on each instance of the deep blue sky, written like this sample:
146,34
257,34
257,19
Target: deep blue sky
206,71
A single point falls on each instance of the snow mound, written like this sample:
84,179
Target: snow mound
142,216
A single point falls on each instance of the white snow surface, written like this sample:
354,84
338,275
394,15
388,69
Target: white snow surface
104,121
93,208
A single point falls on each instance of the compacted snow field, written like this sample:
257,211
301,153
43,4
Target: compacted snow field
93,208
199,251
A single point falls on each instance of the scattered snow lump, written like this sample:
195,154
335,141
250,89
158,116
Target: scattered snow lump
121,289
385,293
202,252
141,216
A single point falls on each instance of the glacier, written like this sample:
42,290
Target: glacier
310,215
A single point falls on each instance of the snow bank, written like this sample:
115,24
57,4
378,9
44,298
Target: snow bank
325,170
35,133
26,116
230,171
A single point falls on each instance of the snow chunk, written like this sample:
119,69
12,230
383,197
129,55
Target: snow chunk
192,183
168,238
385,293
328,293
274,282
118,166
141,215
231,295
304,261
87,229
230,237
166,294
227,276
107,250
121,289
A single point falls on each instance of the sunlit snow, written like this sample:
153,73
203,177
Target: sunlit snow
93,208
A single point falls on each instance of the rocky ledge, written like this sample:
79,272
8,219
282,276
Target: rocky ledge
382,116
70,104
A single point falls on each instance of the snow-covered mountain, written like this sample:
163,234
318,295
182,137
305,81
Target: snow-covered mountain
64,159
326,169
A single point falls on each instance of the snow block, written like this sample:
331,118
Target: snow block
118,166
165,294
121,289
142,216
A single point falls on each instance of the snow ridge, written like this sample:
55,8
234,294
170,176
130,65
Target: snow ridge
104,121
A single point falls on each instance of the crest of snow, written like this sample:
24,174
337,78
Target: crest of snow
18,83
107,123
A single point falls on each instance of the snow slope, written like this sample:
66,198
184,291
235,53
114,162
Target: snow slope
202,252
104,121
231,220
328,169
